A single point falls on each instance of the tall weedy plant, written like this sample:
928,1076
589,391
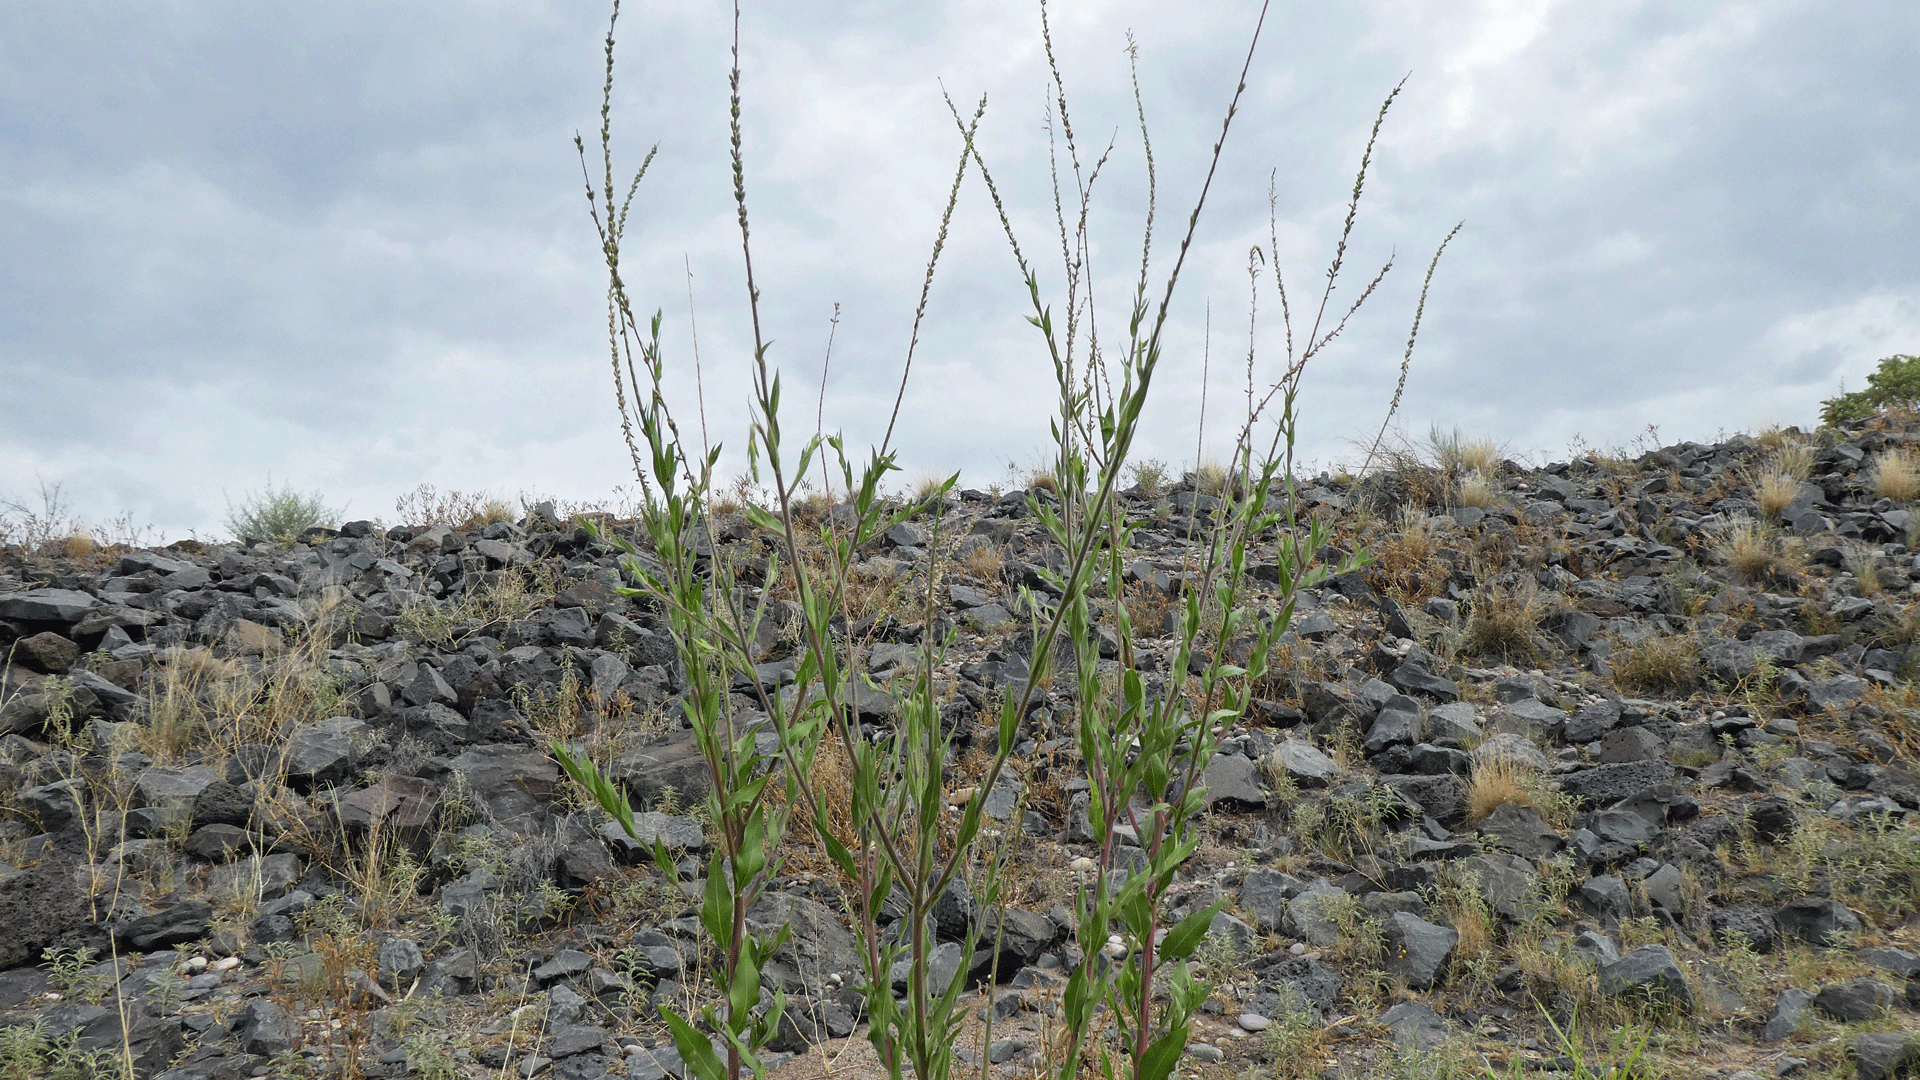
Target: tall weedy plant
1144,734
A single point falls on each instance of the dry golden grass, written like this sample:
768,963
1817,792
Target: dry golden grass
1457,455
1896,474
927,487
1476,490
1664,665
1497,780
1210,478
1480,456
1043,480
1758,552
832,780
1408,559
1865,568
1794,458
983,562
1505,621
1774,491
202,702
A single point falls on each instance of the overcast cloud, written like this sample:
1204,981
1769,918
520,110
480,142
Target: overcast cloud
344,245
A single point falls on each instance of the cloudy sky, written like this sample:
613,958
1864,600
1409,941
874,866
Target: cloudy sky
343,247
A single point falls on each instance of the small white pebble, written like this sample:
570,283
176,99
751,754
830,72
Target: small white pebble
226,963
1082,865
1298,948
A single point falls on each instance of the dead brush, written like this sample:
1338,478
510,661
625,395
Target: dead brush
1403,479
1148,608
812,509
426,506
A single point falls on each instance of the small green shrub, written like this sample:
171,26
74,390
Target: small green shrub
1896,383
278,515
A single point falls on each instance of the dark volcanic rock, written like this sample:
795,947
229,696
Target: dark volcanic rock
38,905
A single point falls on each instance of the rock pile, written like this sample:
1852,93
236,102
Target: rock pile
1626,738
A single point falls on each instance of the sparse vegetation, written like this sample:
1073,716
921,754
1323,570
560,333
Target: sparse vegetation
277,515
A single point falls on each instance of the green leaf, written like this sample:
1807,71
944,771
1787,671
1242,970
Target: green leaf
1161,1056
694,1047
1186,936
744,994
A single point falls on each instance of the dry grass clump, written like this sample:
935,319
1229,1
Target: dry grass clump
1210,478
926,488
1794,458
1408,559
1475,490
1665,665
1776,480
1774,491
812,509
1896,474
1457,455
498,599
1505,621
1148,608
983,561
1497,780
1865,568
1043,480
1758,552
208,703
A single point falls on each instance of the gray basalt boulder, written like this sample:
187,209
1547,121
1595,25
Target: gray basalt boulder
1650,969
38,905
47,605
1417,950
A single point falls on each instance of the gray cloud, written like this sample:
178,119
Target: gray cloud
344,245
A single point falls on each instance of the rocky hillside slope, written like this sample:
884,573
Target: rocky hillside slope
1623,747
